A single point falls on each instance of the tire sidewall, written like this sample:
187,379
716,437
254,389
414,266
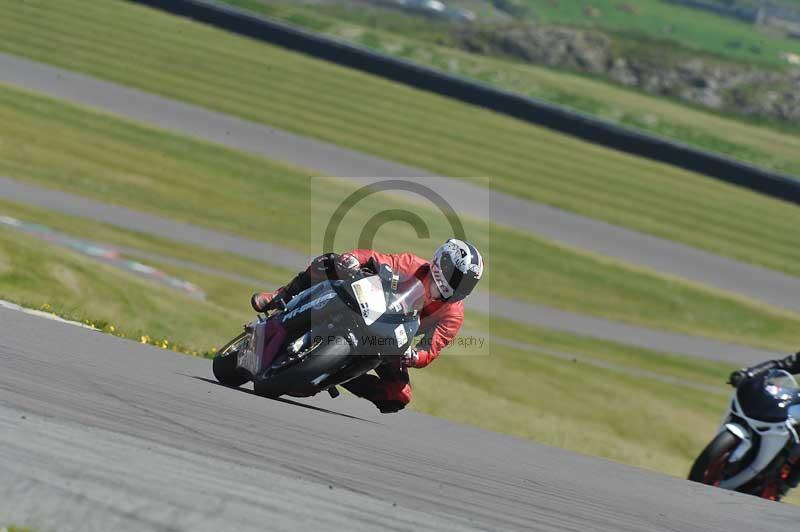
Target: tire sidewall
723,442
224,365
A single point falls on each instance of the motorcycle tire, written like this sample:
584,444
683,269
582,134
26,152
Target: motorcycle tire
709,466
324,358
224,364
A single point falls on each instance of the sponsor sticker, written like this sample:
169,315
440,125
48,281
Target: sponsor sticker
400,334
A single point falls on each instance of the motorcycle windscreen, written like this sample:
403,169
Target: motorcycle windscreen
400,322
408,298
378,298
768,397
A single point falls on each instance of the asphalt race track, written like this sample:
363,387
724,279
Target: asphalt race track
659,254
98,433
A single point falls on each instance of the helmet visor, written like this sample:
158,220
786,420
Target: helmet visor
441,283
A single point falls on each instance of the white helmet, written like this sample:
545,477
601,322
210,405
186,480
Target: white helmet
456,267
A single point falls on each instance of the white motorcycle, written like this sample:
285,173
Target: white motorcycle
757,448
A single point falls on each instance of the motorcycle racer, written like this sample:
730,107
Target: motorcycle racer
448,278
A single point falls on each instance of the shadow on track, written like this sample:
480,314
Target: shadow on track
283,400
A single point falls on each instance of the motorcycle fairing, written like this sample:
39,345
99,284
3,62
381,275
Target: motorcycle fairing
773,438
370,297
249,357
762,406
312,299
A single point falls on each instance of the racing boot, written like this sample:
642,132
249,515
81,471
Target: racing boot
388,395
267,301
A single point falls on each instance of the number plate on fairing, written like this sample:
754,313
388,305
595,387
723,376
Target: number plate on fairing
371,301
250,356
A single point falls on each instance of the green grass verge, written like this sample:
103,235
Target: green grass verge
697,371
674,26
773,145
589,410
50,278
113,160
58,280
697,29
147,243
185,60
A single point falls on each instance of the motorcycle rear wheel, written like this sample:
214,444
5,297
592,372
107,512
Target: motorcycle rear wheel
710,465
326,357
224,365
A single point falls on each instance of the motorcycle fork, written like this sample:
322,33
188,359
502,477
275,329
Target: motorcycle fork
779,478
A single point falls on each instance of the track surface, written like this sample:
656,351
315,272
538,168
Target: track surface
659,254
497,306
98,433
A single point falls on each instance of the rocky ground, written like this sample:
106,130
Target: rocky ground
704,80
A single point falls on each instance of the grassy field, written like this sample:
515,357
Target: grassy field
175,57
697,29
147,243
696,371
103,157
416,39
519,392
51,278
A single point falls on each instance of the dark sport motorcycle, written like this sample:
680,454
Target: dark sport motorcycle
757,448
336,331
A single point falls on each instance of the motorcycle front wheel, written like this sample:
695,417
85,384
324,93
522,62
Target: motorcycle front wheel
709,468
324,358
224,365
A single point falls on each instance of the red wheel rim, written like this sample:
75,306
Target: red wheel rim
714,470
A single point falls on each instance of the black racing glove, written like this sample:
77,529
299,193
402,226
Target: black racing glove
410,358
790,364
346,266
333,266
738,377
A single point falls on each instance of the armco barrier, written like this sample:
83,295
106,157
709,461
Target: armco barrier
522,107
